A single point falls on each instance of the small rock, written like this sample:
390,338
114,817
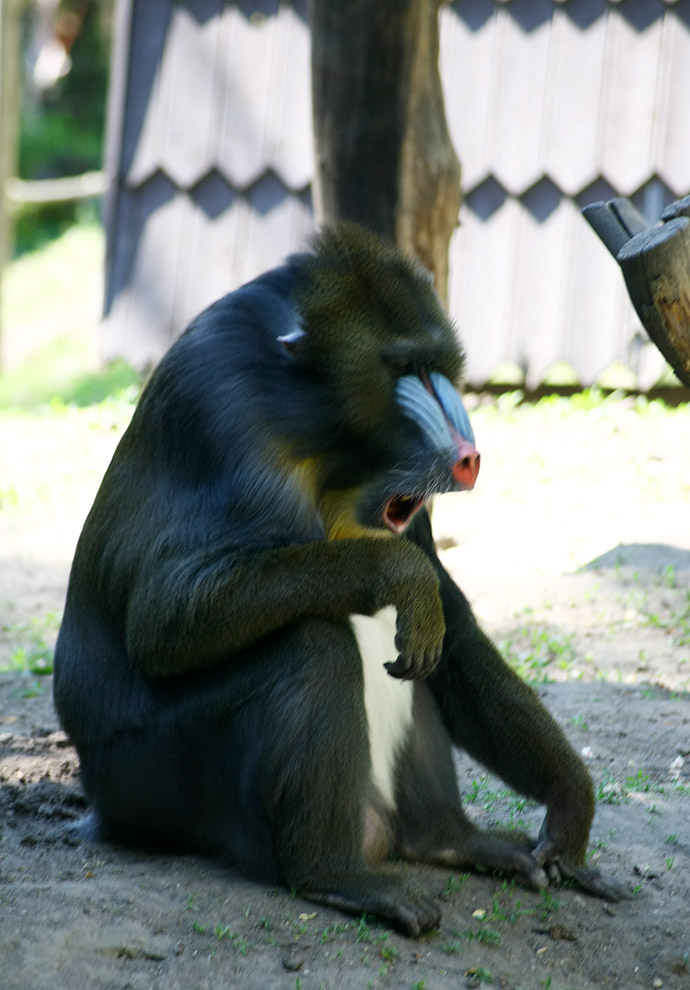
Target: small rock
137,951
293,963
562,934
58,739
678,965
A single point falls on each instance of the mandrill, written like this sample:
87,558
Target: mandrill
261,656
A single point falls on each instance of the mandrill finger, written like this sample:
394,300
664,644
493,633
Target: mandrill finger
406,668
543,852
596,883
554,873
400,668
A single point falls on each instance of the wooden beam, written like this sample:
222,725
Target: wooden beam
655,262
64,190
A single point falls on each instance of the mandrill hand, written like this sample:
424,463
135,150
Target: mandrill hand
420,631
409,582
559,869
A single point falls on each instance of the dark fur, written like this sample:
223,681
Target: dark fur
206,669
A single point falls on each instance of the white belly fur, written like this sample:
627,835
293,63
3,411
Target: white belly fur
388,700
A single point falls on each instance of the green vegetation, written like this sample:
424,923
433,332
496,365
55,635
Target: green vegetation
32,644
50,306
535,649
611,791
454,884
237,941
549,905
492,795
62,128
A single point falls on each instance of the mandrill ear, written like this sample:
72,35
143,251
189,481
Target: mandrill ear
291,341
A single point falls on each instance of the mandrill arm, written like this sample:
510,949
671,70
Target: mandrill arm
197,611
500,721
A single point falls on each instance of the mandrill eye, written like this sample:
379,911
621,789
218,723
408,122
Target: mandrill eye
399,363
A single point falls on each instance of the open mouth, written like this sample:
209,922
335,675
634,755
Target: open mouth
398,511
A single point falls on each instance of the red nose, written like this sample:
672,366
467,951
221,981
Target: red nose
466,468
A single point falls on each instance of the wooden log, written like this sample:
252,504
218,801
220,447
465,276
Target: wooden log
655,262
23,192
615,222
681,208
656,268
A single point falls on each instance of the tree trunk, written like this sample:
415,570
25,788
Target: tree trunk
384,157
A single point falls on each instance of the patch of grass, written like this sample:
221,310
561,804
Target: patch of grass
334,931
454,883
389,953
236,940
639,782
673,616
59,374
32,644
549,905
503,801
609,791
597,847
487,936
535,649
55,278
483,793
451,948
53,296
511,913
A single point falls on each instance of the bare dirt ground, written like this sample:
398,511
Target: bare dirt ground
575,550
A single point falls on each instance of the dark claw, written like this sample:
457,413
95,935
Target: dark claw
406,669
554,874
587,878
530,873
599,884
425,917
399,668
